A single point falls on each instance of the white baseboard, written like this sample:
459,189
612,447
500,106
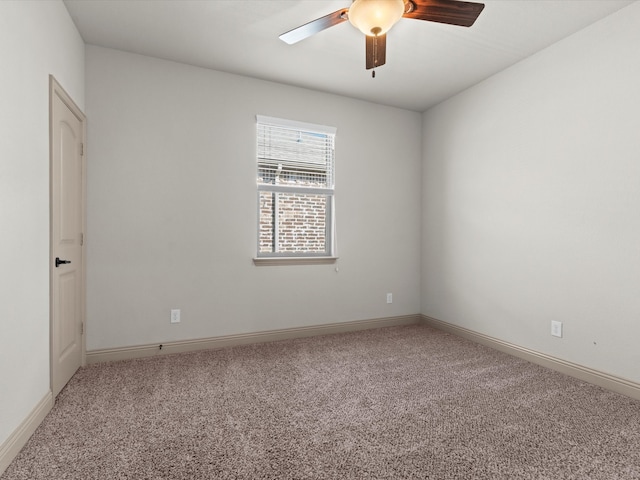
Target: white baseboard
12,445
150,350
601,379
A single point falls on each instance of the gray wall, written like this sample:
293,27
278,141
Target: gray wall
36,39
172,206
531,201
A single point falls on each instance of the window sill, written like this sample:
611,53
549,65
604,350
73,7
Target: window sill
270,261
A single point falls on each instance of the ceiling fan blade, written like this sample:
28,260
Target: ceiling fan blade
452,12
315,26
376,51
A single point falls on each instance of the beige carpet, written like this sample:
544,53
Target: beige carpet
394,403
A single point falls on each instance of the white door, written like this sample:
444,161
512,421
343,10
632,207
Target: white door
67,225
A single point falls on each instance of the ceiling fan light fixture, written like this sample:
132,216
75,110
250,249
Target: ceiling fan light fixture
375,17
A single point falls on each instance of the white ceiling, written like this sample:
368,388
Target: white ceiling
426,62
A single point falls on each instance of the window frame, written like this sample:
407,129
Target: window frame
306,257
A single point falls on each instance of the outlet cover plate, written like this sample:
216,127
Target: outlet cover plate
175,316
556,328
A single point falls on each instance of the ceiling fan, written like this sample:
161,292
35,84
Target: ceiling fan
374,18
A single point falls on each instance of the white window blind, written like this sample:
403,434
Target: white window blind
294,153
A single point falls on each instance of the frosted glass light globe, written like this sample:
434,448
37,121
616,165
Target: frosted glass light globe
375,17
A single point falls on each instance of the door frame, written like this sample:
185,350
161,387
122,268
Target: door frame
56,90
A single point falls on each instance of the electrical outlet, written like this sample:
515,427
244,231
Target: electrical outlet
389,297
556,328
175,316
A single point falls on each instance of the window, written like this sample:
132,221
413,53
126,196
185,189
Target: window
295,177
